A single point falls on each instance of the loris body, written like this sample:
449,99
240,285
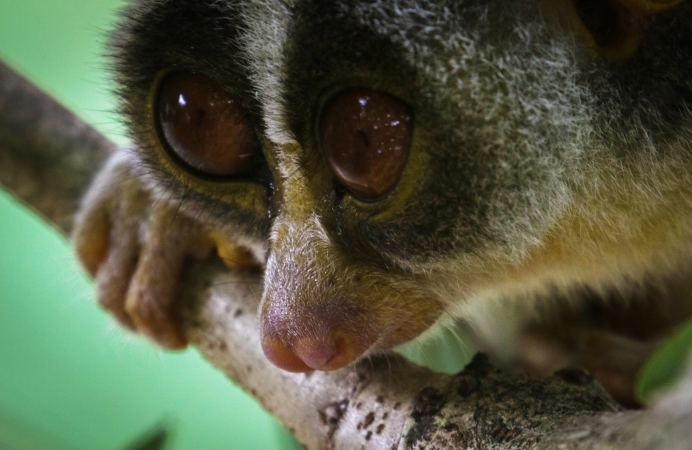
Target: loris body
522,168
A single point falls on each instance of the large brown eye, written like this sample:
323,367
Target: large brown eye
205,126
366,137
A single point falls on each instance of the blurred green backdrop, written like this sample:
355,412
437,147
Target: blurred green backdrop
69,379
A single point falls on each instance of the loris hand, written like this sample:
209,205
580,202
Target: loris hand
136,245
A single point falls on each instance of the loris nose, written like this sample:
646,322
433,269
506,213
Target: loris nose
305,353
300,339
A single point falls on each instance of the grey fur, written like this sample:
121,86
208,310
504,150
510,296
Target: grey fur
519,133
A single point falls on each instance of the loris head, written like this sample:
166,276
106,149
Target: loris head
383,159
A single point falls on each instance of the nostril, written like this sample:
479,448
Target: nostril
298,340
305,354
282,355
316,354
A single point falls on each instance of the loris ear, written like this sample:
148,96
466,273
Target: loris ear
610,28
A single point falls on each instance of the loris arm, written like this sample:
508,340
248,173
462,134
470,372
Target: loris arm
379,403
135,246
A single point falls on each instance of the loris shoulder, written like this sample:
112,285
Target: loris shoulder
519,168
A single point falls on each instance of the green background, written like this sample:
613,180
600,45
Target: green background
69,378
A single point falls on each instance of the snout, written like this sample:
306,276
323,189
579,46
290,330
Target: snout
326,337
322,309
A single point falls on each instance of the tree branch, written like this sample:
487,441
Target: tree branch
48,156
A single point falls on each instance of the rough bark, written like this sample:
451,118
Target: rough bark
47,157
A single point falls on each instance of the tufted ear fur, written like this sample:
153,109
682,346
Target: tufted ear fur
611,28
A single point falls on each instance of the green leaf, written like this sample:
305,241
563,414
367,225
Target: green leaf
665,365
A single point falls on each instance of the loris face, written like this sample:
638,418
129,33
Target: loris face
382,161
